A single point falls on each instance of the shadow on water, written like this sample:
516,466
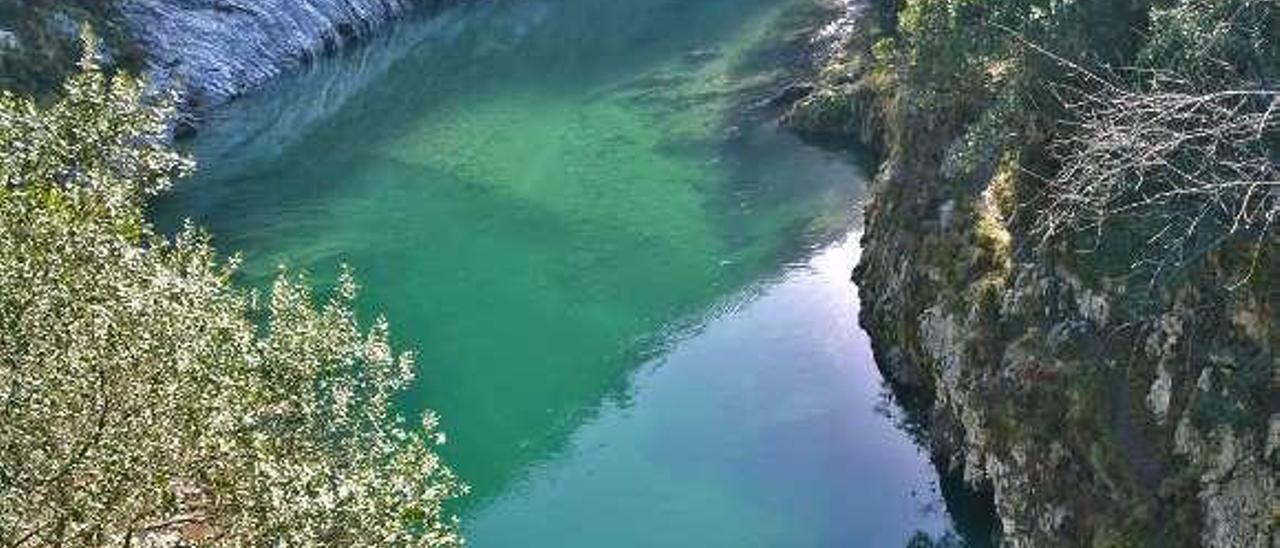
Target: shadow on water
974,523
330,165
540,196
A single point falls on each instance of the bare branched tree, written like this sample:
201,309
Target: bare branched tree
1185,164
1189,167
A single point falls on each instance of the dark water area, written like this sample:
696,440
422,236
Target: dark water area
628,289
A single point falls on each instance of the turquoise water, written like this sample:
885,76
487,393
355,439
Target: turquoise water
628,289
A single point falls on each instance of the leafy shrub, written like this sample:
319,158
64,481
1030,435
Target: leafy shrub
145,399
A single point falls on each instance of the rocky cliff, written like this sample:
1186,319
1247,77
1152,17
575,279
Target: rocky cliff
1102,405
1093,423
210,51
218,49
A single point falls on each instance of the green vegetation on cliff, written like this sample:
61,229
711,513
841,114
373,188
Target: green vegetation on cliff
146,398
40,41
1072,250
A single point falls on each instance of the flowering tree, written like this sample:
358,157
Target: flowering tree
146,400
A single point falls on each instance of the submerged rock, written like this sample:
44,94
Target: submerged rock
790,94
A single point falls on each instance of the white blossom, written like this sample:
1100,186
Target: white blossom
145,399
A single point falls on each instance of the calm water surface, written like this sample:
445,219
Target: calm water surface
627,288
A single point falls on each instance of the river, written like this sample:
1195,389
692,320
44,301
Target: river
628,289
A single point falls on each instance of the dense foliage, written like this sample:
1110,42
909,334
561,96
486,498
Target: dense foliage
1155,121
144,398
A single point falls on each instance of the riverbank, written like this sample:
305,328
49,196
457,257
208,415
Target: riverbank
1100,406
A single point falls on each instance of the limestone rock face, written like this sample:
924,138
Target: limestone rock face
215,50
1096,407
1092,416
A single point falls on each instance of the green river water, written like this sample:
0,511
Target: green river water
627,288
